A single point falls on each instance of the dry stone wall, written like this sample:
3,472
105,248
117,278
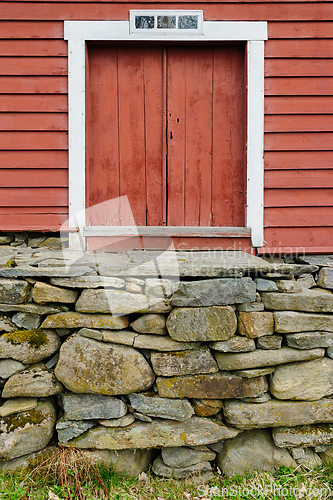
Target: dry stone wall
229,363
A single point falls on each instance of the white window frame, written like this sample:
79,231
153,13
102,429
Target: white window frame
254,33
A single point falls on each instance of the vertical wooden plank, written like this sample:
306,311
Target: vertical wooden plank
154,134
132,135
176,135
103,155
228,137
198,65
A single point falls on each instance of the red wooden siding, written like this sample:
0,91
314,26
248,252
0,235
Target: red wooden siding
298,125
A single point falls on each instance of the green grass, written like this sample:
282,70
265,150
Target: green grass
68,476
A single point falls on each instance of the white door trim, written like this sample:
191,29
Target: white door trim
254,33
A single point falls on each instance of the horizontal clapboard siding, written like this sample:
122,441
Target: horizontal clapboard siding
298,112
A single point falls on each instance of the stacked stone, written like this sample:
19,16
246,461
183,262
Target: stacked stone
236,370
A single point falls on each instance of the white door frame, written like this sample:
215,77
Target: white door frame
254,33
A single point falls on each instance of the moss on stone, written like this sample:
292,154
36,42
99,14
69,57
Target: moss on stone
10,263
20,420
35,338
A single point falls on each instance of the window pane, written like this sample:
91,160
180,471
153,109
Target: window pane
188,22
166,21
144,22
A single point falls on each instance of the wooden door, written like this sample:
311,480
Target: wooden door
166,128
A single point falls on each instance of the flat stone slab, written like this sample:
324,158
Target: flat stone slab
9,366
89,366
310,380
262,357
234,344
35,381
33,308
295,322
214,386
168,364
217,292
45,272
68,430
154,406
288,286
89,282
161,469
78,320
13,291
325,278
263,285
184,456
275,413
150,323
307,301
303,435
43,293
256,372
195,324
153,342
29,346
309,340
17,405
29,321
120,302
91,406
157,434
272,342
124,421
318,260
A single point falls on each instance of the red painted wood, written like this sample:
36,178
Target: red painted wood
33,140
33,47
299,105
298,159
299,217
33,177
298,237
31,29
32,222
33,210
33,85
298,198
298,123
33,196
299,48
35,103
299,86
275,179
315,29
34,159
298,67
34,121
299,141
33,66
294,250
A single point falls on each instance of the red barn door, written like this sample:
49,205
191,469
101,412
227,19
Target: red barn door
166,128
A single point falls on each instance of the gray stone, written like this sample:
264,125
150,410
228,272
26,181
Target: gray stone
120,302
27,463
309,340
256,372
157,434
9,366
272,342
252,307
13,291
29,346
297,453
124,421
142,417
201,323
190,362
140,341
6,239
91,406
265,285
154,406
252,450
27,432
307,301
318,260
259,399
132,462
311,460
235,344
275,412
77,320
17,405
158,287
288,286
33,382
150,323
53,361
217,292
325,277
88,366
91,334
307,281
6,325
35,242
329,352
303,435
161,469
89,282
184,456
255,324
262,357
27,320
43,293
294,322
40,272
68,430
217,386
310,380
33,308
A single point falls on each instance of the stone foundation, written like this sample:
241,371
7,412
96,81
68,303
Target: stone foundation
223,358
